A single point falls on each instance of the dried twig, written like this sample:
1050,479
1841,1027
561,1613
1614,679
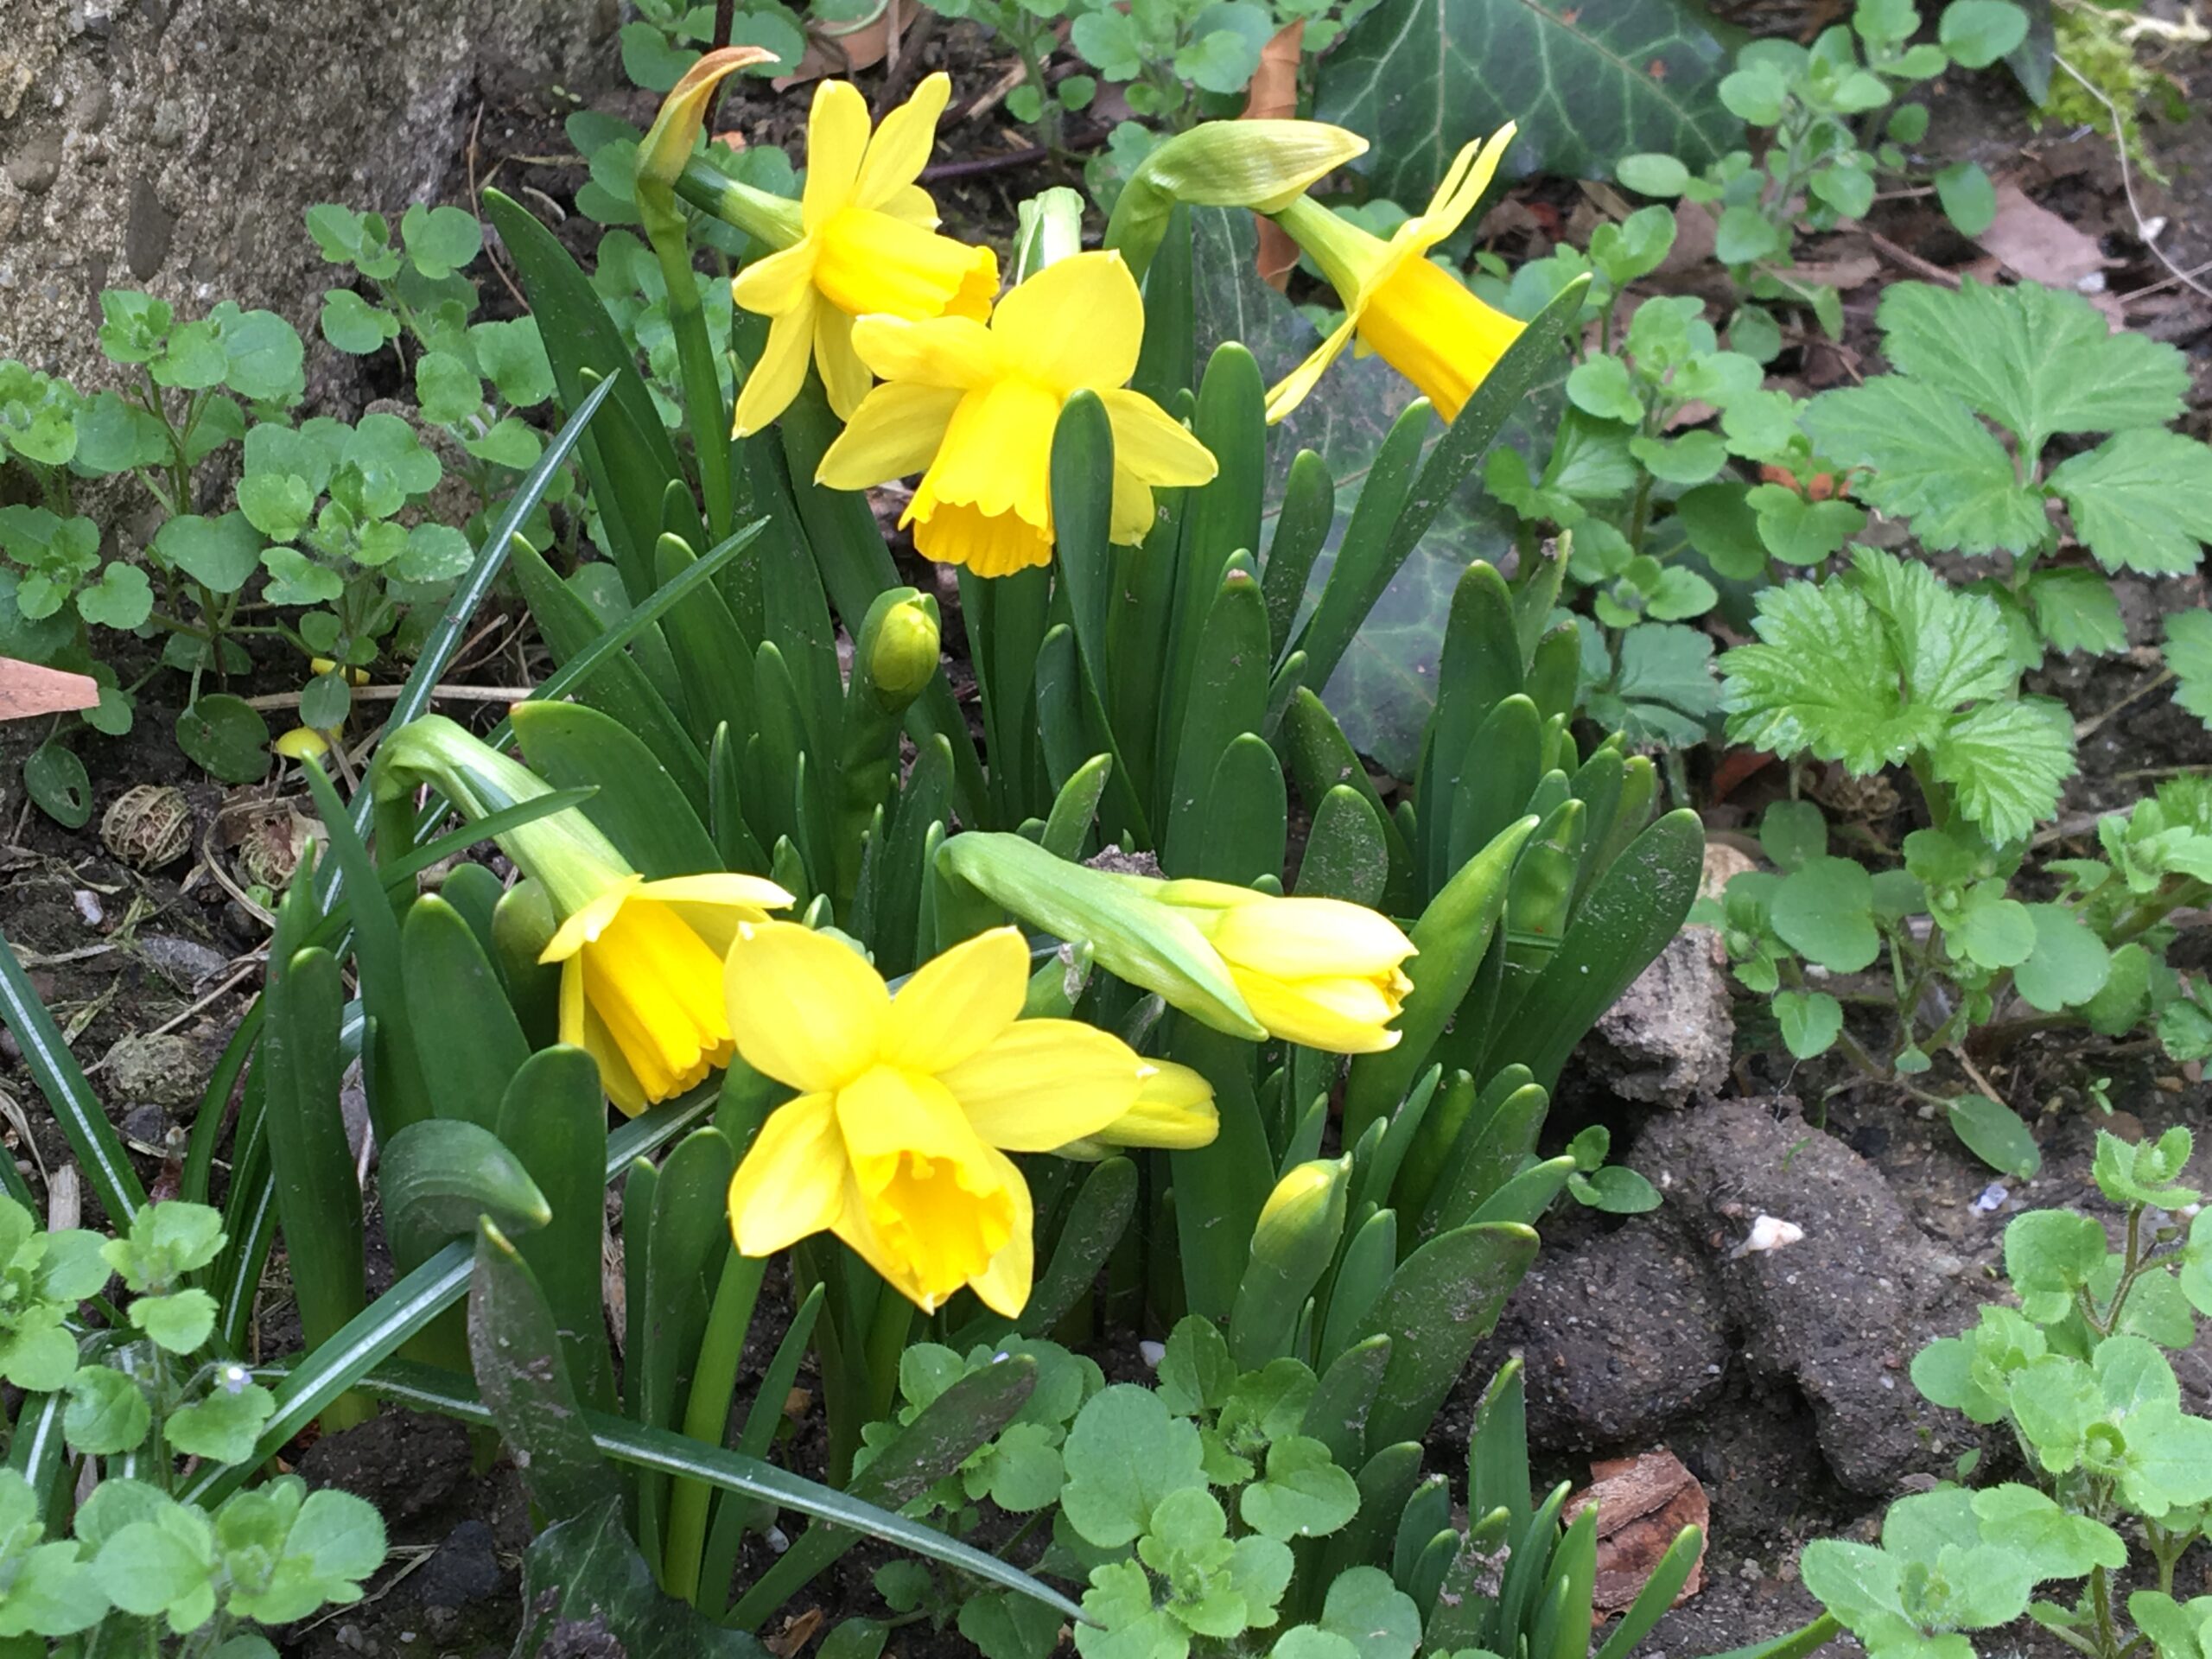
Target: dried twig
390,693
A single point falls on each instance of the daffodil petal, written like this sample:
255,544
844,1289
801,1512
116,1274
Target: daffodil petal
956,1004
1462,185
1292,390
1133,512
588,923
778,283
1078,322
780,372
1153,444
913,205
792,1182
893,433
844,377
803,1009
1309,939
836,140
1342,1016
1004,1286
900,149
952,351
717,888
997,453
1041,1084
582,1027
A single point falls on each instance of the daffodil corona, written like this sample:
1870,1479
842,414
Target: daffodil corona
869,246
1419,316
641,962
908,1105
973,409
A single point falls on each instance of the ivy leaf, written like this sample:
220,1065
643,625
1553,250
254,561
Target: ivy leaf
1588,85
2039,360
2141,500
1931,461
1303,1494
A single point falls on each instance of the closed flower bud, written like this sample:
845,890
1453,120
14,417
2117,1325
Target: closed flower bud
1262,165
1292,1246
1173,1109
903,658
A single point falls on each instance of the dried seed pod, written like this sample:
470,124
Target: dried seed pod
148,825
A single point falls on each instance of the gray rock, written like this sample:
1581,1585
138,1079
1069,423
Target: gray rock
240,114
1841,1312
166,1071
1668,1039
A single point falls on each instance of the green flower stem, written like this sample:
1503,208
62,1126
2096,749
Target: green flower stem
708,416
706,1418
888,1328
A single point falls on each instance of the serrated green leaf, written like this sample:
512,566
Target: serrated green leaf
2141,501
2188,654
1930,461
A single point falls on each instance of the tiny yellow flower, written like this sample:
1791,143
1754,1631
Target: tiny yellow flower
870,246
908,1105
302,743
1316,971
641,977
1174,1109
1419,316
973,408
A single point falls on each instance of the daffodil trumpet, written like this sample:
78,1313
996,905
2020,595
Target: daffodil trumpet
641,962
1418,316
973,409
868,245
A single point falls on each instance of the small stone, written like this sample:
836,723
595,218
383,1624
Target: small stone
34,168
183,962
91,109
145,1124
164,1069
146,234
168,122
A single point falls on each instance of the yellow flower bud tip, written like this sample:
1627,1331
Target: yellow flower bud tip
1420,318
1174,1109
302,743
324,665
976,408
869,247
1315,971
904,657
1301,1197
908,1105
666,147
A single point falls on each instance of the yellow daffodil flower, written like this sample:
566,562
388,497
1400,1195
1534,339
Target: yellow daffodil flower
1419,316
641,977
973,409
1316,971
1173,1109
641,962
870,246
908,1105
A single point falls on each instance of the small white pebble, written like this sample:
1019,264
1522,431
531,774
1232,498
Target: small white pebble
2092,283
88,906
1993,1198
1768,1233
777,1540
2153,228
1153,1352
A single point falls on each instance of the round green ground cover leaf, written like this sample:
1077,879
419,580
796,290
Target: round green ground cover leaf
1824,912
2068,965
226,738
1994,1134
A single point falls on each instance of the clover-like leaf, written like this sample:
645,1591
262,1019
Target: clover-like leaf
1303,1493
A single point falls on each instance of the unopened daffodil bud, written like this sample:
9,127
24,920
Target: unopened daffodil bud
668,144
1292,1246
325,665
1262,165
1174,1109
641,962
1420,318
903,656
1317,971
